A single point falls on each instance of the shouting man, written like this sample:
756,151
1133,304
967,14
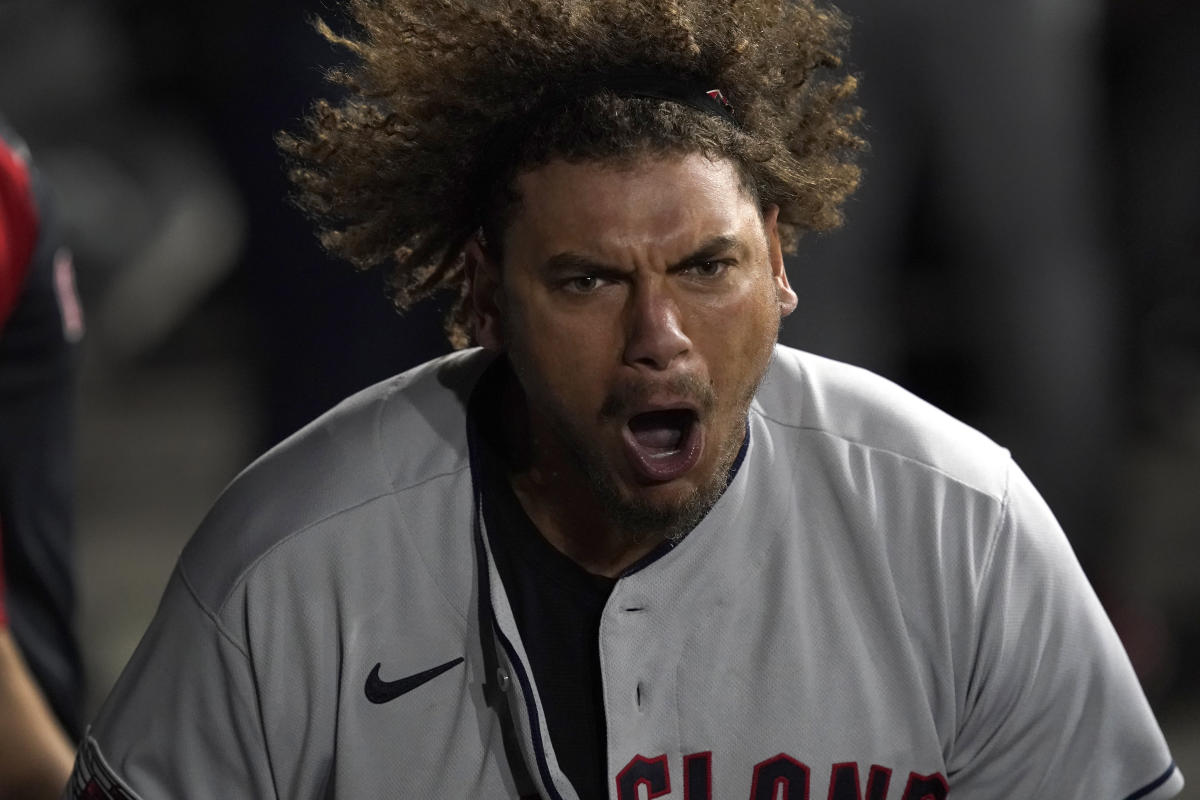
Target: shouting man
627,547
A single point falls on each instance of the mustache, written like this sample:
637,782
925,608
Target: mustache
622,400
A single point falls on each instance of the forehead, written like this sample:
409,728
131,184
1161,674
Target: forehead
651,200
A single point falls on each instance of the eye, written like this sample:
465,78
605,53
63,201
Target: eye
708,269
583,284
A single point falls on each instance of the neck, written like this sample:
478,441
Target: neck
574,524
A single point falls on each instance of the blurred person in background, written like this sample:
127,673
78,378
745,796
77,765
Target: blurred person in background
39,323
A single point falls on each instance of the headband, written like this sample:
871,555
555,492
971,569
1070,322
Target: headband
688,92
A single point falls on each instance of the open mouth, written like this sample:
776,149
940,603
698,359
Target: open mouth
663,445
662,432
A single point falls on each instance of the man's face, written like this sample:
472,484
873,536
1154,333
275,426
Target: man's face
638,303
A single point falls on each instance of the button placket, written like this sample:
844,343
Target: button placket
635,615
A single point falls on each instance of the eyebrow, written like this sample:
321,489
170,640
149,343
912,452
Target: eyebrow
568,263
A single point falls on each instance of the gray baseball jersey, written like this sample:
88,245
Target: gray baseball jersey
880,606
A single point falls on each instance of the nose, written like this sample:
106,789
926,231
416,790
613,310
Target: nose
655,331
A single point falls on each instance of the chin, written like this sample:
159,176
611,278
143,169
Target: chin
663,511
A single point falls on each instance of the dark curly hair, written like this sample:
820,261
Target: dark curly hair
449,99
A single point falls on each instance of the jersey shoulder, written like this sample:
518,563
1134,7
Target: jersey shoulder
861,410
386,439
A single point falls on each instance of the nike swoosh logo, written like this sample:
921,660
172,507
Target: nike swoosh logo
381,691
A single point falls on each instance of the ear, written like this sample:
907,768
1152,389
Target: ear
783,290
484,295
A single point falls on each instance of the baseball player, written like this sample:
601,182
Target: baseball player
35,755
41,323
627,547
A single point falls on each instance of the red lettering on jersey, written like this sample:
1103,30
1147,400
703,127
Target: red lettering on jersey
778,778
641,771
926,787
877,782
844,785
781,772
697,776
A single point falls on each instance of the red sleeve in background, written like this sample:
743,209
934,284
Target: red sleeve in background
18,228
18,234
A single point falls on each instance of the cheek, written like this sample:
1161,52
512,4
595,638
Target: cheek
737,356
572,336
560,363
738,332
569,349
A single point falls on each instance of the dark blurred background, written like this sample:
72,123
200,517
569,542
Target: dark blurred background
1025,252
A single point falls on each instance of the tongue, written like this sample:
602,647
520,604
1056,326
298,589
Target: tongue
663,445
659,438
659,430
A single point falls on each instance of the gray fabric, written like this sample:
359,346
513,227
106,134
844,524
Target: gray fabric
879,585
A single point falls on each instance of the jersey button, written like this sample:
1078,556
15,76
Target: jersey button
502,679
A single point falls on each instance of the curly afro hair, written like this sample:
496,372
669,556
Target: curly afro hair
447,100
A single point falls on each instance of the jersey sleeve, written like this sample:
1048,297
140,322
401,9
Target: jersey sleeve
1052,707
182,720
18,226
